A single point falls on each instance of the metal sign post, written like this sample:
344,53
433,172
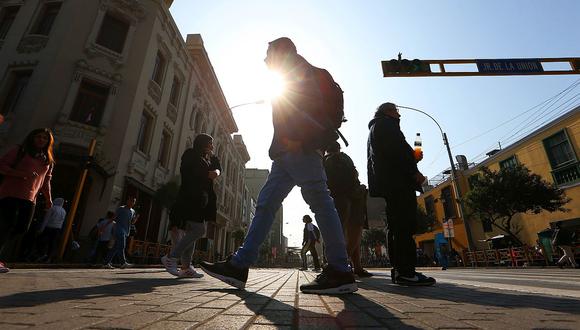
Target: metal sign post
75,201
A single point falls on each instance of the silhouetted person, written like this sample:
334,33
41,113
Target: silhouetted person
393,175
310,237
350,198
26,170
296,151
190,212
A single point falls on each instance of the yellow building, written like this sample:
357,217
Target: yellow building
551,152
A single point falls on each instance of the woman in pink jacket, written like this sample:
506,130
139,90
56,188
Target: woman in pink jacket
26,170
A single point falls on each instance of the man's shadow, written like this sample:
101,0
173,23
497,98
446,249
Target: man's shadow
125,287
346,311
475,295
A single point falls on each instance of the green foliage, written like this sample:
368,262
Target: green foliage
374,237
425,222
497,196
166,195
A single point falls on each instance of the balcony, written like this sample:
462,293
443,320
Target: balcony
567,175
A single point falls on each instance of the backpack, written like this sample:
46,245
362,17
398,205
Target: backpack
332,115
341,174
316,232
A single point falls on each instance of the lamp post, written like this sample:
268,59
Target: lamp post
248,103
454,184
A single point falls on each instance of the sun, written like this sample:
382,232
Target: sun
273,85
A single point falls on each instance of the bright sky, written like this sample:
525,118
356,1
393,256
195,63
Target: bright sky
350,38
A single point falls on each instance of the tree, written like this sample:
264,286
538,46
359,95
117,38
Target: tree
496,196
425,222
374,237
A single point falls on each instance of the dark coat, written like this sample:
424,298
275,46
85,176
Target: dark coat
391,165
293,114
196,200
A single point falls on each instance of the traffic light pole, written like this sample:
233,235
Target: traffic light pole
75,202
454,181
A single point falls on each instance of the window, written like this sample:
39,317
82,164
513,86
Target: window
6,20
509,162
448,203
487,227
175,90
113,33
90,103
559,149
47,18
145,130
164,149
430,205
17,82
159,69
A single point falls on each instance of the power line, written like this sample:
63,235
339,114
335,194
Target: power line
572,86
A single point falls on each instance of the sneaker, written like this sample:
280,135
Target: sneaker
3,268
417,279
170,265
331,281
189,273
226,272
363,273
108,266
126,265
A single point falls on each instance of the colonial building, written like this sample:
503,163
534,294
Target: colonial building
118,72
551,151
255,180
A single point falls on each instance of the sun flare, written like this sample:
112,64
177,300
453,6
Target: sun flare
274,85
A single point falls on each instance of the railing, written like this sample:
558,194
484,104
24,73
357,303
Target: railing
141,252
567,174
512,257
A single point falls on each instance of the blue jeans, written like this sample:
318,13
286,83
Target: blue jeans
305,170
118,249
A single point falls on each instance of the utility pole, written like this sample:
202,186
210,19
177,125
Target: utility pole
454,181
76,199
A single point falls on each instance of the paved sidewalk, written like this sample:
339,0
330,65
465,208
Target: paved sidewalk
152,299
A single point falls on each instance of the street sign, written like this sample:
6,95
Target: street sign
510,66
486,67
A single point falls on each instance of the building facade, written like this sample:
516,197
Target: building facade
550,151
118,72
255,180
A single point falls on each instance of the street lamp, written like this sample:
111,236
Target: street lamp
454,182
248,103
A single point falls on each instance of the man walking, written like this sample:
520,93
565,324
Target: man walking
309,239
563,239
350,198
393,175
297,160
124,218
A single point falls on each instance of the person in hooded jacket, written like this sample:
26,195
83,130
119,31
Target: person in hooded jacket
196,204
27,171
296,153
50,228
393,175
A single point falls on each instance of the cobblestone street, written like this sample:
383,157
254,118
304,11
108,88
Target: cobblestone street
152,299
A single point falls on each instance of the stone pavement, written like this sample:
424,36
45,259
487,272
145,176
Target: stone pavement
153,299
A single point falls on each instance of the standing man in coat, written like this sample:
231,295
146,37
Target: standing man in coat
393,175
296,161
